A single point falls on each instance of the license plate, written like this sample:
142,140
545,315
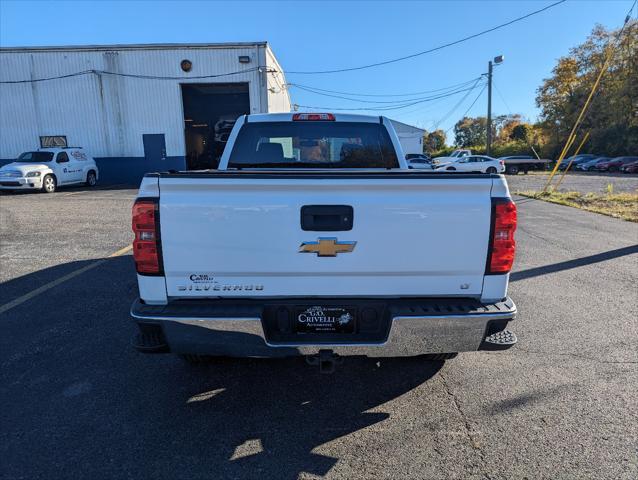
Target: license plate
325,320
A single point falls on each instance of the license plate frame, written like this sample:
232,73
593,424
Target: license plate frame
321,319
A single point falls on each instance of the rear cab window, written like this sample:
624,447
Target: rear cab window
313,145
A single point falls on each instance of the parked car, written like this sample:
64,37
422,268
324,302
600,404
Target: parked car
325,275
523,163
615,164
474,163
455,155
630,167
590,165
410,156
419,161
49,168
576,160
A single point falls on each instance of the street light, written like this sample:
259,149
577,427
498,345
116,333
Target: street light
497,61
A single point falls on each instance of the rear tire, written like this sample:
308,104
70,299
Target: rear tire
49,184
451,169
491,170
512,170
91,179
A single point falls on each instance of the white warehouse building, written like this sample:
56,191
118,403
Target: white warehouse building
141,108
135,108
411,138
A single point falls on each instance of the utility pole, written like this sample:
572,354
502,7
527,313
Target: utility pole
497,60
488,149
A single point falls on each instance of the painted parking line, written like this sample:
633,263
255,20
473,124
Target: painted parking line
99,189
58,281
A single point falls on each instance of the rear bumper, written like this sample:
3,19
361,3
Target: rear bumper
414,327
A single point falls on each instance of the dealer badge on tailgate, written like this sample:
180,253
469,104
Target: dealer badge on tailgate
325,320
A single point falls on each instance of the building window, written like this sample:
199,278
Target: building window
49,141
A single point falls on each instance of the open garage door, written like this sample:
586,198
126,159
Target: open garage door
210,111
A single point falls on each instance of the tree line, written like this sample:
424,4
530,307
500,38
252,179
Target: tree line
611,120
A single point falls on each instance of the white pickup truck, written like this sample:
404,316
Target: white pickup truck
314,238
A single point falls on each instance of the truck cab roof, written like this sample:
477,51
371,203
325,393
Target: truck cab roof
300,116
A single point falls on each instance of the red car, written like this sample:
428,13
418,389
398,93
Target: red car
630,168
615,164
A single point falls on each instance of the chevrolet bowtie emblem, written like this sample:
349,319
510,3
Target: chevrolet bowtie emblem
327,247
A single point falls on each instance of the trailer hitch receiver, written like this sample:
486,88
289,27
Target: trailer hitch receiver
326,359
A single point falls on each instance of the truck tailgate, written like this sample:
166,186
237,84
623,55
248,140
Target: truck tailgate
240,235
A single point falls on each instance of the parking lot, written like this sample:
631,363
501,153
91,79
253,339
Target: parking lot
80,402
584,182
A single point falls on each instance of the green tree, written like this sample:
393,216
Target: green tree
502,127
523,132
612,117
434,141
470,131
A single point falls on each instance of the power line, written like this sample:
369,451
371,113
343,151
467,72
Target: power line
470,107
501,97
129,75
453,109
392,107
76,74
395,102
383,94
424,108
424,52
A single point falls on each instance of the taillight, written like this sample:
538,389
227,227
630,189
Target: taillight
502,243
146,245
329,117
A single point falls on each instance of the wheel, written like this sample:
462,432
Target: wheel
512,170
49,184
491,170
451,169
91,179
525,171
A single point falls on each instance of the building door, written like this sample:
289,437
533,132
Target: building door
210,111
154,150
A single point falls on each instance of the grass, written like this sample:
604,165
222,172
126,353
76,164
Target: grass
618,205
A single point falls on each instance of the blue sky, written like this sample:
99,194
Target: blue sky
330,34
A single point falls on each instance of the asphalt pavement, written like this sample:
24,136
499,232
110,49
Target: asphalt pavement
78,401
584,182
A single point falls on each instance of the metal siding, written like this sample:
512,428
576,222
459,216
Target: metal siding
277,91
411,138
107,114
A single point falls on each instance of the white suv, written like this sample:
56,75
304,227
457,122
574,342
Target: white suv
474,163
48,168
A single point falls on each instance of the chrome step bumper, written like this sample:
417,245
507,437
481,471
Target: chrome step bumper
416,326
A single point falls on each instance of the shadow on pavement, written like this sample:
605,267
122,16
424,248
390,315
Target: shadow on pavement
79,401
575,263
